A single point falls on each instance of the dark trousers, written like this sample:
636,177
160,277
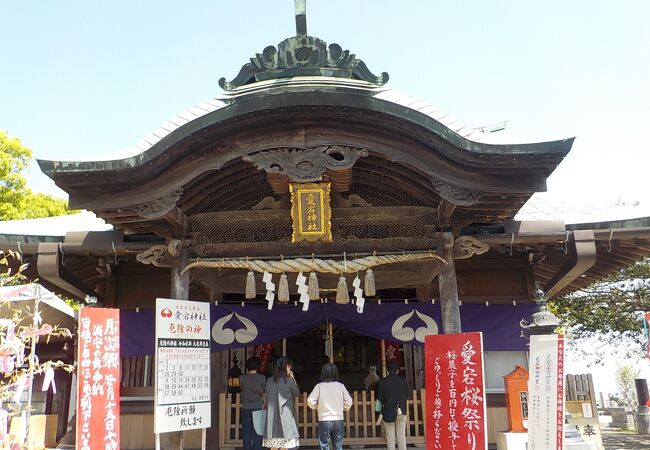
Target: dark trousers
252,440
331,430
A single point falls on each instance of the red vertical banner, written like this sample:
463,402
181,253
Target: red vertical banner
455,392
646,330
98,379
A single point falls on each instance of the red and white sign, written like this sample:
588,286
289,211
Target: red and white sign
182,396
98,384
546,393
455,413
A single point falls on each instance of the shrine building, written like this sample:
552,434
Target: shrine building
309,163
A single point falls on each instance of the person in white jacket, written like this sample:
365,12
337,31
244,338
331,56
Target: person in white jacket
330,398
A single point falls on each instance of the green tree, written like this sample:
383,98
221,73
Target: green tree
611,310
625,387
17,201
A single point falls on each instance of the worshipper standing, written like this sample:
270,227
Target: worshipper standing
252,386
393,392
281,430
330,398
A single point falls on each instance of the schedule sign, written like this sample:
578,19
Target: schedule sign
546,391
455,393
98,385
182,365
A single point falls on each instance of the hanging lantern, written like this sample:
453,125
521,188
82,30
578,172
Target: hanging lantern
233,376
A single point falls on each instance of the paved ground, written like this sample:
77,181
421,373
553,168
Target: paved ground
615,440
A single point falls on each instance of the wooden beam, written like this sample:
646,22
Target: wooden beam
178,221
448,286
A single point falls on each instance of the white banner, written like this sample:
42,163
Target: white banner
546,393
182,395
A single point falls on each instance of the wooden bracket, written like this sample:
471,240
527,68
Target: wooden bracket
445,211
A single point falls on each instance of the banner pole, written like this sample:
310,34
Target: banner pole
330,341
383,358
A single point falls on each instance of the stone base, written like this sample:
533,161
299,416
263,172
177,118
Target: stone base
643,420
511,441
620,425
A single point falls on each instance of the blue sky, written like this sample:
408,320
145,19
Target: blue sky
90,78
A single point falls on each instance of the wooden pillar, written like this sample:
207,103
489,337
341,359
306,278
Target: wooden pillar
215,372
448,286
180,290
110,294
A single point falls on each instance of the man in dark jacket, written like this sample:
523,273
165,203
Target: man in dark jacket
393,392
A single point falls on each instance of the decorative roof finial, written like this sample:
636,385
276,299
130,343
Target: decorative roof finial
301,17
302,55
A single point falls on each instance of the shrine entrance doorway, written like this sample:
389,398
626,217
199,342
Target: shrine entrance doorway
353,354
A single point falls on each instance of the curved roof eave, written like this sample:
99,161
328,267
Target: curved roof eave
308,91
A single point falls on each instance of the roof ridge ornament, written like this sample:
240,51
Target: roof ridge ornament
302,55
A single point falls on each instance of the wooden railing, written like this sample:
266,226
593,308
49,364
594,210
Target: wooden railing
360,421
137,371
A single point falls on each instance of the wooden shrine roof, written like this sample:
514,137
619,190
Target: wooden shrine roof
414,155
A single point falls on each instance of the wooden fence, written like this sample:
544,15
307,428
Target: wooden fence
581,388
360,421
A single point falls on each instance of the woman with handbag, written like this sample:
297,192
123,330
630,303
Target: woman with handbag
252,398
330,398
281,430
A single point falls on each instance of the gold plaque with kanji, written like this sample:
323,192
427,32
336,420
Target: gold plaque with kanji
311,212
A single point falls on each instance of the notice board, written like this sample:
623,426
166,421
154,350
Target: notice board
182,394
546,393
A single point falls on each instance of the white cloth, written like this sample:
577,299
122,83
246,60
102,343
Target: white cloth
371,379
330,399
396,431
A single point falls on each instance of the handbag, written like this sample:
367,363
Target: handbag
378,405
259,421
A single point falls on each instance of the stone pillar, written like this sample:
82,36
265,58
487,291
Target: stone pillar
448,287
643,411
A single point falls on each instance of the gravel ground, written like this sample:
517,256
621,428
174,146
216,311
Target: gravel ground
615,440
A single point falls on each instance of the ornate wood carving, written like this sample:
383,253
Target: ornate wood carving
157,208
175,247
353,201
303,165
466,247
156,255
302,56
457,195
271,204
